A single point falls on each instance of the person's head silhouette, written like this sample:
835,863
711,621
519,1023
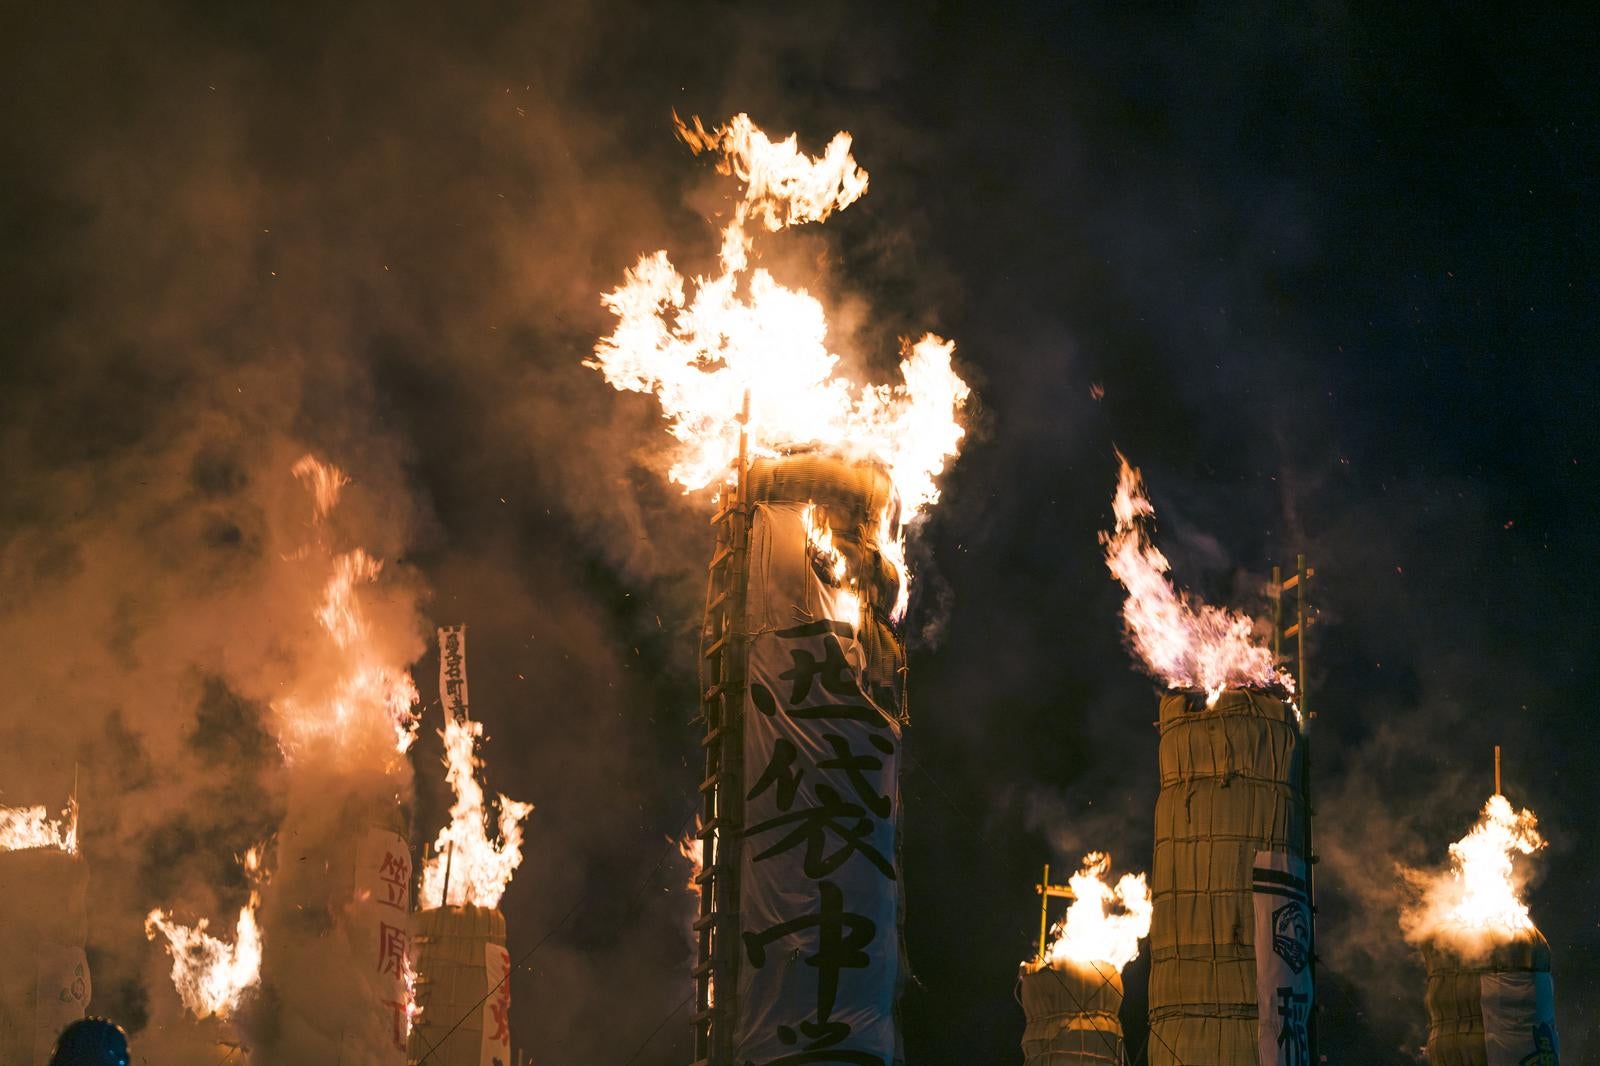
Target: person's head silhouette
91,1042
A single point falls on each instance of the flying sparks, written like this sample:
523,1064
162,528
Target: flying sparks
1183,642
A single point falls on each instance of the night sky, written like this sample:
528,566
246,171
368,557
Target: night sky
1325,274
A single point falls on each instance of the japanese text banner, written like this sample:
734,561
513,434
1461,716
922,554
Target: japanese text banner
1519,1019
819,915
496,1048
1283,959
379,928
453,671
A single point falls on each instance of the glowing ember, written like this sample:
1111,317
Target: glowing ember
1185,643
480,869
1477,902
370,703
22,828
210,974
1103,924
742,333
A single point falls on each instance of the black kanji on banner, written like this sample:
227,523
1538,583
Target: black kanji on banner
820,885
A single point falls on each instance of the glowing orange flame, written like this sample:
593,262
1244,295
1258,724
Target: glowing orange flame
413,1009
1477,902
742,333
1103,924
1185,643
22,828
835,571
480,868
691,847
211,974
324,481
370,704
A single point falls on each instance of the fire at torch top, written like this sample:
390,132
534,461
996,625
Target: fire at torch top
742,362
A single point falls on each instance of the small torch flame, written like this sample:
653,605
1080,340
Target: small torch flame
1183,642
1477,903
1103,924
479,868
211,974
23,828
691,847
742,334
830,561
413,1009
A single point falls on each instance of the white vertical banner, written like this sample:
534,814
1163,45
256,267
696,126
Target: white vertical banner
453,671
1519,1019
380,928
819,895
62,991
1284,944
497,1008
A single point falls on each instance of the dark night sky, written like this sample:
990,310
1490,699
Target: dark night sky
1333,268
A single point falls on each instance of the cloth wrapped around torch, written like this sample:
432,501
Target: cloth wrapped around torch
1072,996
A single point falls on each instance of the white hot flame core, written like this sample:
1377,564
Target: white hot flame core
370,703
1104,923
212,974
1477,903
479,868
742,333
1183,642
22,828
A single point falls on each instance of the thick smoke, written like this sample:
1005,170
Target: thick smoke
1320,267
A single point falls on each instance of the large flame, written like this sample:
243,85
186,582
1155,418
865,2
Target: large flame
1183,642
22,828
212,974
1104,923
742,334
1477,902
479,868
369,703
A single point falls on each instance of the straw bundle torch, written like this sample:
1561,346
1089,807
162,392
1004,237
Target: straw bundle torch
1490,997
1072,993
44,972
463,1013
817,479
1231,936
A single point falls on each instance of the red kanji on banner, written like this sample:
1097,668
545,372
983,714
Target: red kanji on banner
393,947
500,1002
395,873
